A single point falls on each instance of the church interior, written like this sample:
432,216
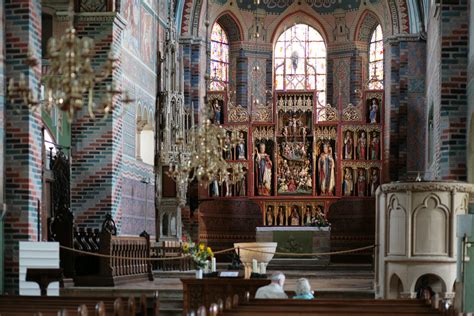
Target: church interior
172,156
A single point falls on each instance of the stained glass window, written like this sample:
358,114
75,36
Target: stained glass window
300,61
376,60
219,59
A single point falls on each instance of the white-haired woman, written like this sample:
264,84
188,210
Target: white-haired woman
303,290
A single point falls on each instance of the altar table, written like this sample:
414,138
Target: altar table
298,239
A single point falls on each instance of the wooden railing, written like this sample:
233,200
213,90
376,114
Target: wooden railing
116,268
170,249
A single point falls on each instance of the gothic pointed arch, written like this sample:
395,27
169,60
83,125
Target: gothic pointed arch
368,21
300,60
229,22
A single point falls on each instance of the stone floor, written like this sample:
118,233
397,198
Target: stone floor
332,281
331,278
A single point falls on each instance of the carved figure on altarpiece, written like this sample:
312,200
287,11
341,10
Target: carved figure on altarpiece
348,145
294,169
374,146
264,167
240,150
270,216
361,182
326,166
294,124
374,180
294,216
280,216
373,103
361,145
348,182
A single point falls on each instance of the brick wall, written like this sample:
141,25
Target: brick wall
2,130
405,106
193,71
23,138
97,145
448,60
453,110
470,96
141,37
2,103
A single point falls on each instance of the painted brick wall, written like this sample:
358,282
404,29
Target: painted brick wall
470,98
453,109
2,129
193,49
2,101
142,34
406,116
416,105
97,145
23,138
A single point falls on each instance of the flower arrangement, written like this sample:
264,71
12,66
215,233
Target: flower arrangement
320,220
199,252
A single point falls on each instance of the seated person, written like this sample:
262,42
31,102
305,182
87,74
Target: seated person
303,290
274,289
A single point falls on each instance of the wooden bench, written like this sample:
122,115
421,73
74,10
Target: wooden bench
332,307
119,270
197,292
55,305
170,249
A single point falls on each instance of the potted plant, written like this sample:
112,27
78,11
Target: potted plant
200,255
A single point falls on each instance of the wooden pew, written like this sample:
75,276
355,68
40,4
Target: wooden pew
197,292
52,305
332,307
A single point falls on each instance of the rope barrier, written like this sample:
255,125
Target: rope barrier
121,257
253,249
302,254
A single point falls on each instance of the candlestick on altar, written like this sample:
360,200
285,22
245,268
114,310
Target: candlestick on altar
213,265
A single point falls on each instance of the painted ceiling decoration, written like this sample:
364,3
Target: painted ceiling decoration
278,6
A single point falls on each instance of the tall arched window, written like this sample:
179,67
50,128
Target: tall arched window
219,59
376,60
300,61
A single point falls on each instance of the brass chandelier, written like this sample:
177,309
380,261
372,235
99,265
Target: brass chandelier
201,150
201,155
70,79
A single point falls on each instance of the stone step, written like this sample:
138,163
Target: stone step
171,295
174,274
288,264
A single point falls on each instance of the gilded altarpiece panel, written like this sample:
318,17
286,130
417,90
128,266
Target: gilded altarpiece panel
301,156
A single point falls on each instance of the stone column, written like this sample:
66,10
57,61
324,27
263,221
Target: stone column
2,135
405,109
23,136
96,179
